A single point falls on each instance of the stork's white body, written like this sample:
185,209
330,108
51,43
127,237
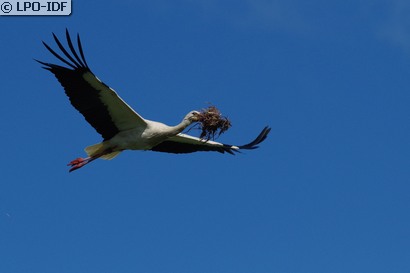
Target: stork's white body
142,138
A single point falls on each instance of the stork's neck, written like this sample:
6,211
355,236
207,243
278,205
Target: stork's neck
180,127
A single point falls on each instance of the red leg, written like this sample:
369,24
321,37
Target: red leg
79,162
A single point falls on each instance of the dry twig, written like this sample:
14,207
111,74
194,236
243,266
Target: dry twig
212,123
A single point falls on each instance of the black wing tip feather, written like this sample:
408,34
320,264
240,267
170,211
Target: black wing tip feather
231,149
45,65
48,66
259,139
73,60
228,149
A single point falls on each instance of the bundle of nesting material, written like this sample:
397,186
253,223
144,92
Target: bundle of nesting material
212,123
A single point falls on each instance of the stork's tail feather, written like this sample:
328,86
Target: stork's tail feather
100,150
110,155
95,149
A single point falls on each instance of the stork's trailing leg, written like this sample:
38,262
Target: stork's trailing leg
80,162
94,152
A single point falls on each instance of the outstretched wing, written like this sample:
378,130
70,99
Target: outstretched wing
183,143
97,102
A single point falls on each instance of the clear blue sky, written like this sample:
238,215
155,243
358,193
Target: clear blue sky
328,191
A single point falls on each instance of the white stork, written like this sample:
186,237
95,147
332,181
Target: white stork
120,126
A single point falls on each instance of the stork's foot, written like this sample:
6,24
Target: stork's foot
78,163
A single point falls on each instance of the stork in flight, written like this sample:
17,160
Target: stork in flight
120,126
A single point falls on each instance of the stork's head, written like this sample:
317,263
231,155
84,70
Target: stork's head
192,116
